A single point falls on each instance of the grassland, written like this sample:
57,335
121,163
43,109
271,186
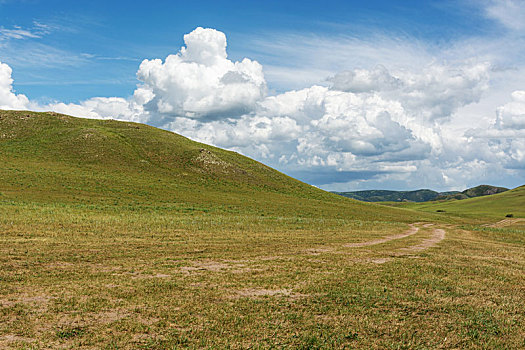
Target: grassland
121,236
497,206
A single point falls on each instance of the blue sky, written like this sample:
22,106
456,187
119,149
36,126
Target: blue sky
94,47
342,94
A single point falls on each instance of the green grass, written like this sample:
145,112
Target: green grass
496,206
53,158
130,239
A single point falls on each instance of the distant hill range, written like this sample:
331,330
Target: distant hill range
421,195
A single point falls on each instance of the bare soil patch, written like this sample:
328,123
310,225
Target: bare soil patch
320,250
214,266
217,266
9,340
380,260
39,302
261,292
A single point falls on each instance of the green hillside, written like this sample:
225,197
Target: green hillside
478,191
493,206
51,157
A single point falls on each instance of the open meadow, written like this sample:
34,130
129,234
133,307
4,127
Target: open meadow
122,236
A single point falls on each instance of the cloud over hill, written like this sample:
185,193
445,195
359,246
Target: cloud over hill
396,124
8,98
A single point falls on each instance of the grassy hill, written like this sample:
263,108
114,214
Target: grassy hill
51,157
493,206
118,235
478,191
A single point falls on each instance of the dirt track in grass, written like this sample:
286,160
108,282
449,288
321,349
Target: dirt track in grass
411,231
437,236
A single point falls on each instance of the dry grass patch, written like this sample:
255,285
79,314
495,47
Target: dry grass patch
183,289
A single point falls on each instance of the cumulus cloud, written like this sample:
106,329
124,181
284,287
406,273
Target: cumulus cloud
435,92
509,121
201,82
512,114
362,80
8,98
374,119
362,125
504,141
377,123
319,127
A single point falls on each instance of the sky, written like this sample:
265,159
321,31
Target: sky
344,95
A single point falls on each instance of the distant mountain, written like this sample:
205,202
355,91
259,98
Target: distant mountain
507,205
394,196
423,195
478,191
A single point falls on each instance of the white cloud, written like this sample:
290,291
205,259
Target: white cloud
398,125
8,98
201,82
512,114
35,54
504,141
295,61
362,80
509,121
18,33
511,13
433,93
318,127
102,108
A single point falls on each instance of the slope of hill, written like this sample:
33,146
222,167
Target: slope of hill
47,156
478,191
499,205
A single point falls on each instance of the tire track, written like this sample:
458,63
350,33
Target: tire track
438,235
411,231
